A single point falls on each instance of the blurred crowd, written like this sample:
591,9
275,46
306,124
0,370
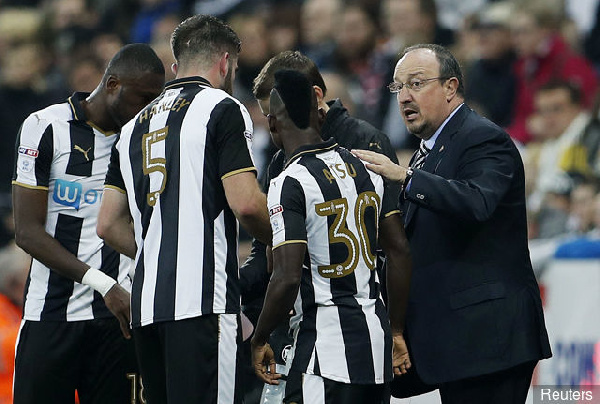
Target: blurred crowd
531,66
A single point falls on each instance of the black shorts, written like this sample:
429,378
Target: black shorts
53,359
301,388
195,360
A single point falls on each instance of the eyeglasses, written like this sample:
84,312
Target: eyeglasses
413,84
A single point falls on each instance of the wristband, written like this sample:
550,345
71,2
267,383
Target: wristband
98,281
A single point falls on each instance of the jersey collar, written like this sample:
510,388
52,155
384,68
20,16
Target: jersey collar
195,80
312,148
75,103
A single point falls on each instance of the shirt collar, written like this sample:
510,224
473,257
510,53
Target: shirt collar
187,80
311,148
76,108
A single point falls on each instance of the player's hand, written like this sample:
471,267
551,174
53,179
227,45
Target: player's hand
263,360
400,357
118,301
381,164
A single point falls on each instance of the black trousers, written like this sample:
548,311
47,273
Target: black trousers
508,386
310,389
195,360
53,359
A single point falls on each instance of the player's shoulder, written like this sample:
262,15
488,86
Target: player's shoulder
42,118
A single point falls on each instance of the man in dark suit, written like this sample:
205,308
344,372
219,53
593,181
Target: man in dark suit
475,325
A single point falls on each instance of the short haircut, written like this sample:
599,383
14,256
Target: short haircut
133,59
449,66
572,89
203,38
296,93
289,60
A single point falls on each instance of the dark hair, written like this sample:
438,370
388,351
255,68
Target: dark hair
449,66
573,89
289,60
203,37
295,91
132,60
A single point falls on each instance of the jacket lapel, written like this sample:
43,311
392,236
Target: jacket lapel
437,153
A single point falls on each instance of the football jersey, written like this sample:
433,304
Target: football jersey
58,151
326,198
171,160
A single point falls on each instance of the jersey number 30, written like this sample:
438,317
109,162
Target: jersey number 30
340,233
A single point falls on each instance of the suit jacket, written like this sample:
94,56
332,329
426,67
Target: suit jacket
474,305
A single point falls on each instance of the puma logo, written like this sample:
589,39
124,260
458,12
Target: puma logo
375,144
85,152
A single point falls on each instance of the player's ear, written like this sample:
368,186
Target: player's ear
319,93
224,64
112,83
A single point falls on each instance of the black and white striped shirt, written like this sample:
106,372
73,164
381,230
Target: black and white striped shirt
327,199
171,160
59,152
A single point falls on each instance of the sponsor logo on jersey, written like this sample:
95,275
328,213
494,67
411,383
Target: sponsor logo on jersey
28,152
275,209
68,193
26,165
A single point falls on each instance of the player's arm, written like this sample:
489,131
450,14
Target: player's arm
394,243
30,211
114,225
249,204
279,300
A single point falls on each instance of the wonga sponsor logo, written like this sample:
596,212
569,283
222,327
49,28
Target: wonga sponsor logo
71,194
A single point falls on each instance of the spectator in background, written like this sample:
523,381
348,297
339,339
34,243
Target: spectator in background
104,46
581,218
490,81
318,21
543,56
14,267
550,221
84,73
284,27
406,23
365,70
254,34
150,12
562,121
161,41
409,22
583,237
22,91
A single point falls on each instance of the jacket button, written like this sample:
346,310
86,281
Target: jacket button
420,196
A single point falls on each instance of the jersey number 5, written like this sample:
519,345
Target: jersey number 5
340,233
154,161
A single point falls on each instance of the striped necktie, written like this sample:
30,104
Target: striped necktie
421,156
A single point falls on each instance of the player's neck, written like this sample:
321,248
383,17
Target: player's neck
96,112
307,137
